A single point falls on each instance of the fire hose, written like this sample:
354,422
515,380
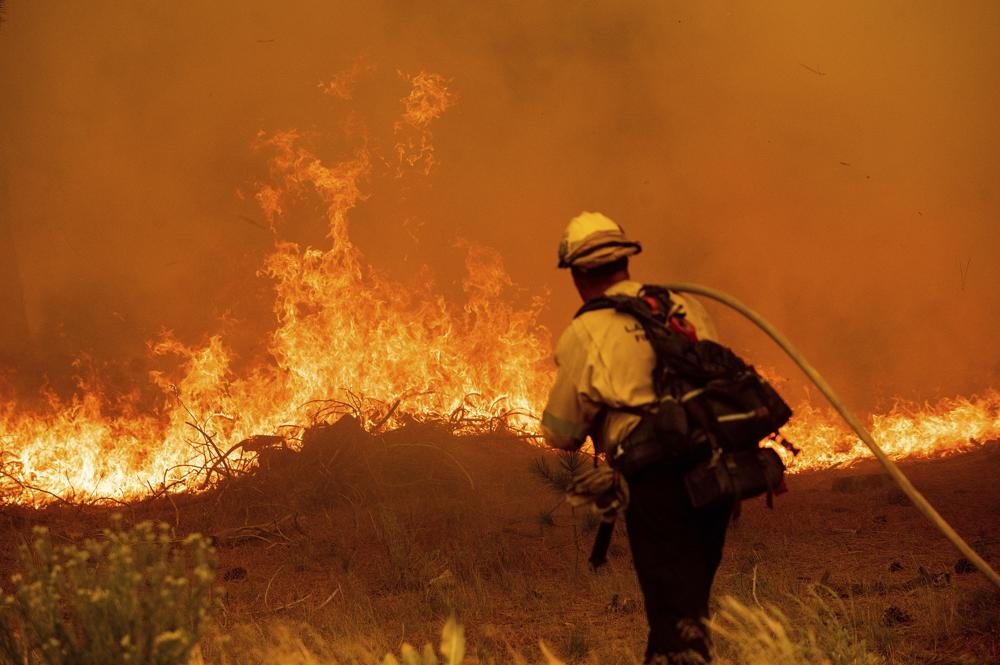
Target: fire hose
891,468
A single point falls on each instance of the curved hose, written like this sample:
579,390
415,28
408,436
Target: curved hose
904,483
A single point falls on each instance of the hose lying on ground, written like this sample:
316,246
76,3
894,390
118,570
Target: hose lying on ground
904,483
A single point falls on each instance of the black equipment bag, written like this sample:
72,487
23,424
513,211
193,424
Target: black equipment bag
740,475
714,409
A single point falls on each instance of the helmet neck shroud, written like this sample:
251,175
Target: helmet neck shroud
591,284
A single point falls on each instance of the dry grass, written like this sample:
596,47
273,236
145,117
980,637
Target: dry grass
745,635
361,548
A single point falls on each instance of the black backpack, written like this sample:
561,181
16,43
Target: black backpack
713,409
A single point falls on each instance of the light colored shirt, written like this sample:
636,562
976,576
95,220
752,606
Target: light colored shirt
604,359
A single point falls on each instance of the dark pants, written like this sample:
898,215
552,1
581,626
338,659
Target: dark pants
676,550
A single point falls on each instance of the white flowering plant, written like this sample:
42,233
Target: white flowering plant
133,596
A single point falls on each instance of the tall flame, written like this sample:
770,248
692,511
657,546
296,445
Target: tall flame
347,338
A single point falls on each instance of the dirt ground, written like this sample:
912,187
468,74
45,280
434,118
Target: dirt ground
365,542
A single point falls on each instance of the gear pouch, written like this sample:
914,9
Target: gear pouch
734,476
660,436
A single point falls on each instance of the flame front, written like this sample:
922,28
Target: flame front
348,339
907,431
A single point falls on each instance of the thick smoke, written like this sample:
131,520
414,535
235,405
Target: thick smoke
835,166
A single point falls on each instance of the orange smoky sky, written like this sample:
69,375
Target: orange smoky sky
835,165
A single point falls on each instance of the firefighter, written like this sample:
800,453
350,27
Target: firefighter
605,367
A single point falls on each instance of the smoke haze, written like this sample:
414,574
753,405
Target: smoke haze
835,166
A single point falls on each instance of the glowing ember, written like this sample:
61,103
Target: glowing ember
347,339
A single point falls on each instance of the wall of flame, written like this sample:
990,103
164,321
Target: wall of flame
834,167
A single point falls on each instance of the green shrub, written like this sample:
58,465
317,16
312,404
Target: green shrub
132,596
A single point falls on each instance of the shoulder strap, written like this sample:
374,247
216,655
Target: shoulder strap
604,302
652,309
653,301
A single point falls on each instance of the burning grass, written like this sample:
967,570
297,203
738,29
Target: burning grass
72,471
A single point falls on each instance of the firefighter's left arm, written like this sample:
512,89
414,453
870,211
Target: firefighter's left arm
569,413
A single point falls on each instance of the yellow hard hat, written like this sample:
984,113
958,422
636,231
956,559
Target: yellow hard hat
591,240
